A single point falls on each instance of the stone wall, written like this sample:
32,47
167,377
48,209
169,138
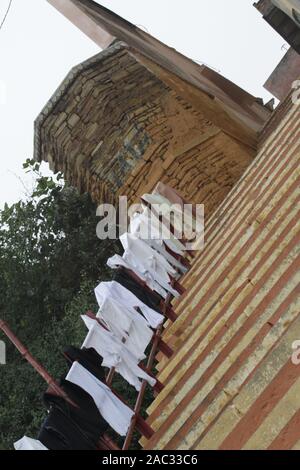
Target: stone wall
113,128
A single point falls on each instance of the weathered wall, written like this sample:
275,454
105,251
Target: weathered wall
231,383
113,128
205,172
280,82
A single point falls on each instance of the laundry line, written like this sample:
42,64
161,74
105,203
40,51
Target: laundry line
167,264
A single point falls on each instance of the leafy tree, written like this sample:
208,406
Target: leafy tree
50,262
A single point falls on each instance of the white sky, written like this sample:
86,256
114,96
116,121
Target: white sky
38,47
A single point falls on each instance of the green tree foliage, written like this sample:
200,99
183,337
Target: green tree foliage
50,262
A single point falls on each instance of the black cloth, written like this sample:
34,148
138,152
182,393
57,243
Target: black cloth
86,417
59,432
151,299
88,358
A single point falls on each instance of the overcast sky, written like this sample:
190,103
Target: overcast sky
38,46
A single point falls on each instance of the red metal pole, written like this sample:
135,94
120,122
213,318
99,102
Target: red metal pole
141,394
35,364
105,442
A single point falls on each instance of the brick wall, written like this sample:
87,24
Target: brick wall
231,383
113,128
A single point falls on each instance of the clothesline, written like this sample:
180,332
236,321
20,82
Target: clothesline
105,442
147,279
137,421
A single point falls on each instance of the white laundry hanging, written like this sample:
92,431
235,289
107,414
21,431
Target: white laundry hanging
181,218
169,193
116,261
114,411
115,354
138,253
126,323
146,263
26,443
149,226
141,226
116,291
158,246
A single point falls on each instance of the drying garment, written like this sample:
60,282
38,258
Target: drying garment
138,253
150,298
182,219
113,410
146,263
88,358
126,324
161,248
171,213
116,261
86,415
59,432
132,296
148,226
26,443
194,218
115,354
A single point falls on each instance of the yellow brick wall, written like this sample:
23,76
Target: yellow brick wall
231,383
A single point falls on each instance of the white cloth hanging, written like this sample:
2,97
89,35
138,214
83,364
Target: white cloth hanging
149,226
116,291
116,261
180,216
146,263
109,347
144,258
126,323
26,443
141,226
158,246
115,354
114,411
193,220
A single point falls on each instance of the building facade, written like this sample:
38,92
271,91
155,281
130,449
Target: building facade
138,113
